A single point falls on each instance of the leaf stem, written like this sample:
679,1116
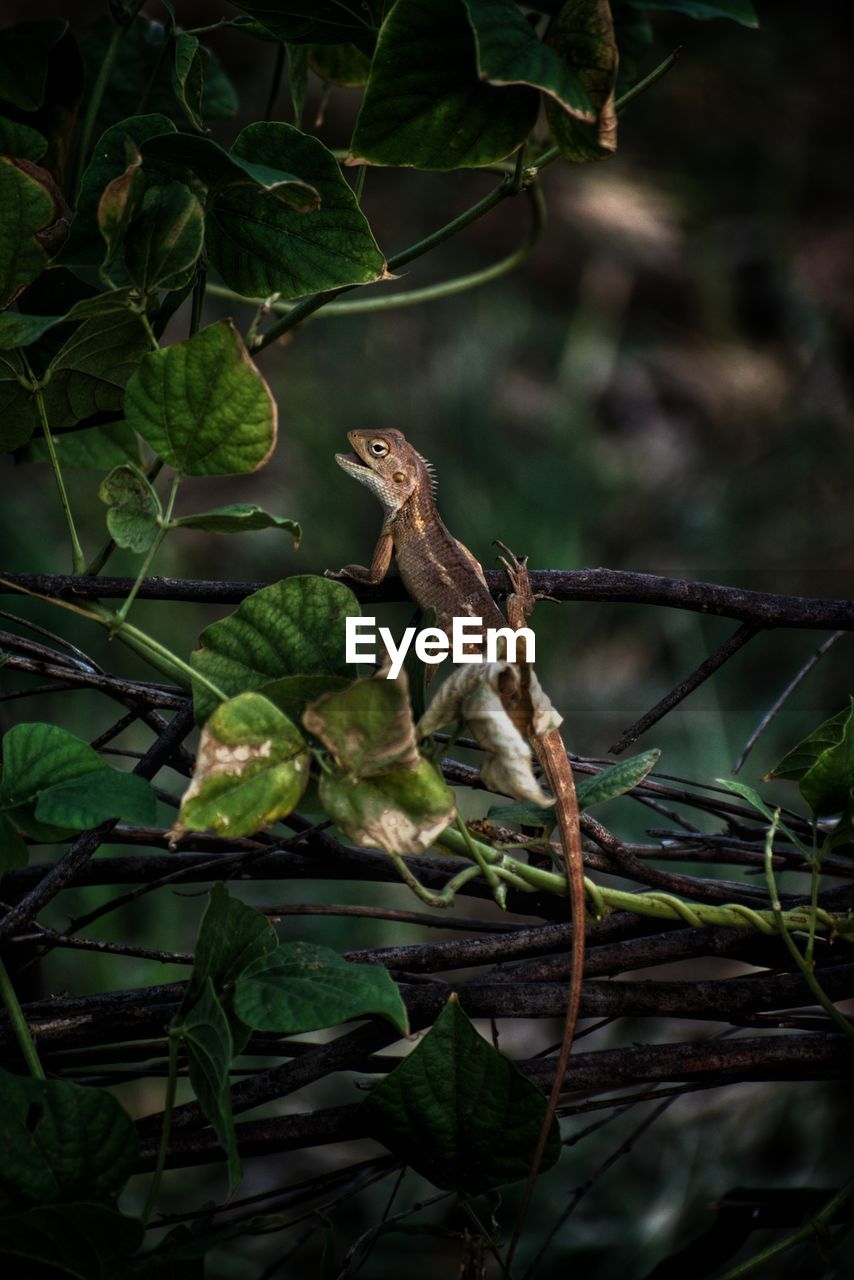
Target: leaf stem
152,550
19,1025
430,292
794,950
815,1228
309,305
198,303
163,1146
78,560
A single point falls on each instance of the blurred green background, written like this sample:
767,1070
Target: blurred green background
664,386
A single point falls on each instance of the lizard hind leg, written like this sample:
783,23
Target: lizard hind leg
521,601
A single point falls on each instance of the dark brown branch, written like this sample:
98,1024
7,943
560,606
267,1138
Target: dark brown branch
715,660
781,700
604,585
708,1064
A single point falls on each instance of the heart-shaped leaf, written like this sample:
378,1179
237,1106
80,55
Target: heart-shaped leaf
401,811
164,240
459,1112
583,35
302,987
251,769
295,627
260,246
61,1142
425,105
203,406
135,513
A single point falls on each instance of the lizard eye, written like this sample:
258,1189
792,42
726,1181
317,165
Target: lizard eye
378,448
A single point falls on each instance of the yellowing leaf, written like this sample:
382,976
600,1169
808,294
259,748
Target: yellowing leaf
251,769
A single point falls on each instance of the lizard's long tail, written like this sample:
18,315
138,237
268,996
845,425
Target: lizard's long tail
551,754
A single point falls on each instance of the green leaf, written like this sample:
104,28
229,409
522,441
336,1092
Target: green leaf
119,203
738,10
402,811
753,797
19,330
207,1037
320,21
13,851
144,71
188,77
61,1142
18,413
239,517
89,372
261,247
20,140
165,238
31,209
251,768
135,512
341,64
522,815
425,106
292,694
459,1112
52,777
221,170
24,56
823,764
509,52
801,758
295,627
616,780
85,246
105,793
96,448
368,727
231,937
203,406
86,1241
302,987
583,35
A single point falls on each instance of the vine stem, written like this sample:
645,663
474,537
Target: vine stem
803,964
149,648
430,292
661,906
168,1108
815,1227
78,560
19,1025
309,305
165,526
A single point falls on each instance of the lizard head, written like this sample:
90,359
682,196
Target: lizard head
387,463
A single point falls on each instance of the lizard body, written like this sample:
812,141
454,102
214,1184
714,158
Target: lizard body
440,573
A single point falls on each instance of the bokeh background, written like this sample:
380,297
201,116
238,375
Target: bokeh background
665,385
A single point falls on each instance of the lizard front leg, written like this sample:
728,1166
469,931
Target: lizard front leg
379,564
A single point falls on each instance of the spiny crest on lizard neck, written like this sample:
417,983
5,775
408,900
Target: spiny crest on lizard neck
388,465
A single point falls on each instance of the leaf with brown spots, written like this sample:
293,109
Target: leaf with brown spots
251,769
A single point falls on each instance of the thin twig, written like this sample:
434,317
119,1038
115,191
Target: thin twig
722,654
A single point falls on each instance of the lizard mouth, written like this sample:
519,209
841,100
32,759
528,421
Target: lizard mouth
348,460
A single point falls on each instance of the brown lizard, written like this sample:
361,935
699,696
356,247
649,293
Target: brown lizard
440,573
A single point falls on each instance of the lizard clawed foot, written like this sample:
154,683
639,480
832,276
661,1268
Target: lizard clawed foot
520,604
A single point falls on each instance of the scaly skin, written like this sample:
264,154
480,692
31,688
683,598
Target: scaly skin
440,573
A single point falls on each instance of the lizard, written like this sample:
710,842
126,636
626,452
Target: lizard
442,574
